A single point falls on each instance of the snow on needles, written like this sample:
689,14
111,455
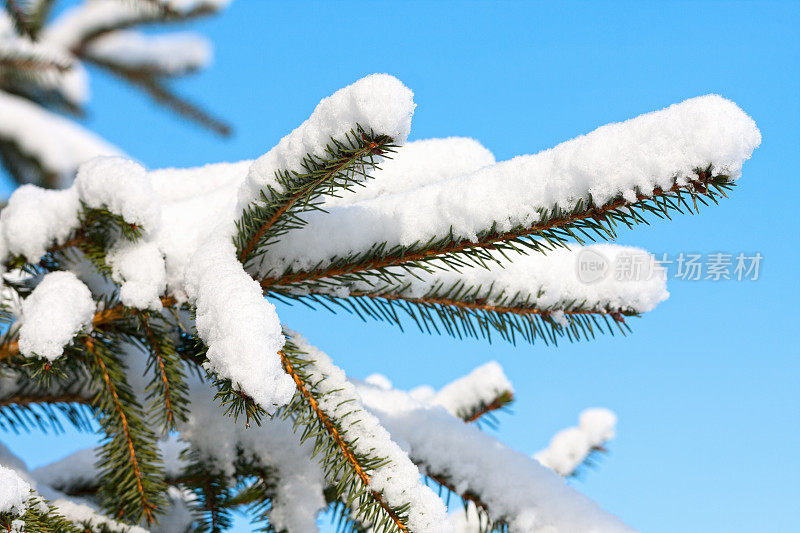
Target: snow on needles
549,283
379,102
653,150
240,327
397,479
175,53
14,492
58,309
514,487
122,187
140,270
570,447
35,218
479,387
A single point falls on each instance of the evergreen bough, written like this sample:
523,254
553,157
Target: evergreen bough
135,404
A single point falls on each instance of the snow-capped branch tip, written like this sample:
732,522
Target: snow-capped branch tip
658,163
482,391
572,447
442,444
574,292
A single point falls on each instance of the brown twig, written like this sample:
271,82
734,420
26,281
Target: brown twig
28,399
163,372
100,319
498,403
147,507
253,241
337,437
488,242
479,306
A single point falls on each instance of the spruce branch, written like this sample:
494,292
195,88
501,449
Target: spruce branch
103,319
462,311
29,62
167,391
129,457
41,517
24,411
154,85
501,401
28,19
467,497
344,467
278,211
19,18
143,14
556,228
213,502
23,167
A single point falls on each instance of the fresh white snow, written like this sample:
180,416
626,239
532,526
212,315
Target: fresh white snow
398,480
379,102
59,308
171,53
121,186
479,387
570,447
653,150
140,270
14,491
513,486
36,218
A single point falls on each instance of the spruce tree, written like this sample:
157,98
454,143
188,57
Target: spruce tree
140,302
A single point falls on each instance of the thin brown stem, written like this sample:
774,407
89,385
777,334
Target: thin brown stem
31,399
100,319
487,242
147,508
498,403
482,306
337,437
253,241
151,338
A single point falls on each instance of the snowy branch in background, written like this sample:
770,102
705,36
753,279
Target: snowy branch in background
442,444
572,447
483,390
42,72
41,143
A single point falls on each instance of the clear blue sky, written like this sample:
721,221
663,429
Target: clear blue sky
707,388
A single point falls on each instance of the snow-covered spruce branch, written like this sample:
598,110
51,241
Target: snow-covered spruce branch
531,296
150,80
29,505
357,455
579,190
132,246
514,489
575,446
129,455
484,390
345,162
